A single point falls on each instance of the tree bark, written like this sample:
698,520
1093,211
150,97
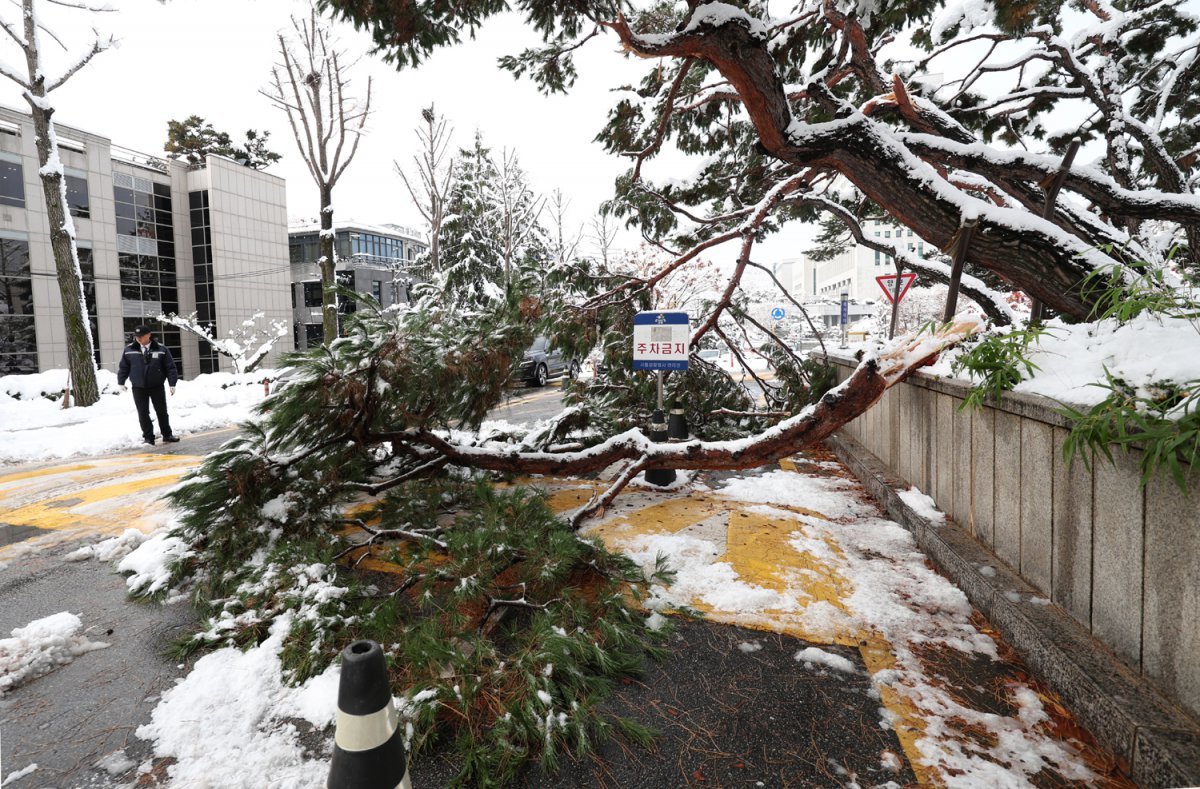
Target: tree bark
328,263
837,407
81,361
1031,253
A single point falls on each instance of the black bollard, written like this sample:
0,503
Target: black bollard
658,432
368,746
677,424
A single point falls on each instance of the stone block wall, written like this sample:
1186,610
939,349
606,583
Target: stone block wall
1122,560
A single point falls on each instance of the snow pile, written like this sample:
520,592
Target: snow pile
150,563
111,549
922,504
1072,358
12,778
33,427
226,722
815,656
40,647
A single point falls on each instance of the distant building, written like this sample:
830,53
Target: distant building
371,259
854,269
153,235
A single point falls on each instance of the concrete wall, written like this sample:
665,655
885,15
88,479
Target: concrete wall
1123,561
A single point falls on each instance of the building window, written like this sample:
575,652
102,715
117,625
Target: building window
377,290
12,183
18,339
920,248
203,276
887,234
877,257
314,335
88,269
312,294
346,304
146,255
77,195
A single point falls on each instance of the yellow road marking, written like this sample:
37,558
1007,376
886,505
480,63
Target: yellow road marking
73,509
43,472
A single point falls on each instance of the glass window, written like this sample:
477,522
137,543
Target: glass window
312,294
77,196
14,258
314,334
18,340
877,257
123,195
377,290
887,234
12,184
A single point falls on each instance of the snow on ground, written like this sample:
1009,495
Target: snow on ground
12,778
40,647
33,427
226,723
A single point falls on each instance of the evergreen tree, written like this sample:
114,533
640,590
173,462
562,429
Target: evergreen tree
194,138
492,242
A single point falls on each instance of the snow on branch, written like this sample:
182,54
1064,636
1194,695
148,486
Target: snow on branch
245,346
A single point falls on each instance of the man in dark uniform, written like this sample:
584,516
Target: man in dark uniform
147,365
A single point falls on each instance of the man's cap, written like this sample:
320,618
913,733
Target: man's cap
141,329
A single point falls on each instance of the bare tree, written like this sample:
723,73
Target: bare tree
310,85
519,210
604,234
430,187
36,85
564,243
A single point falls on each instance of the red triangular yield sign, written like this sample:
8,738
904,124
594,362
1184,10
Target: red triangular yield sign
888,283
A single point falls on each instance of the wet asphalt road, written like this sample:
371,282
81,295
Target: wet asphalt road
71,718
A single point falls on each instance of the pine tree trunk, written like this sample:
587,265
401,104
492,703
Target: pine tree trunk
80,348
329,313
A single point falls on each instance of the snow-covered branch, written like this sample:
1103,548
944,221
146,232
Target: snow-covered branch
245,346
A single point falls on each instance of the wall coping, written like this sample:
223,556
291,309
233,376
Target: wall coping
1029,406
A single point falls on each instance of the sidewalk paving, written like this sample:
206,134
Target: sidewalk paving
800,554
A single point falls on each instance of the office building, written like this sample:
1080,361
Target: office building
154,236
371,259
854,269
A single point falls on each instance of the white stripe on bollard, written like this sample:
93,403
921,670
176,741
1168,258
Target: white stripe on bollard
364,732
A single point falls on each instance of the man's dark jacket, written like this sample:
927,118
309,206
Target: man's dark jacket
147,370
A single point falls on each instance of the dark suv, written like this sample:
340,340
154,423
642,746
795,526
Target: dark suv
542,362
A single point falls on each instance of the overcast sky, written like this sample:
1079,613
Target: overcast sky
212,57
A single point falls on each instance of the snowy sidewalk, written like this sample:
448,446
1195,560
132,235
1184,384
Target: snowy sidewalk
802,551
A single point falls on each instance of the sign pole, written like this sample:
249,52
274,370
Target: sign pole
896,300
660,389
845,319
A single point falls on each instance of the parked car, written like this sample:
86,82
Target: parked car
543,362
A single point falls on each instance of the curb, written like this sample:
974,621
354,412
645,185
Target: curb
1158,741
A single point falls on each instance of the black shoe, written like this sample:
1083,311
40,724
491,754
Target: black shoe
170,439
149,441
